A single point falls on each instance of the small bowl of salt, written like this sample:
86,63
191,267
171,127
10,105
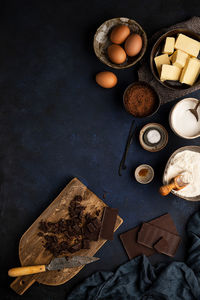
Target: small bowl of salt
153,137
182,121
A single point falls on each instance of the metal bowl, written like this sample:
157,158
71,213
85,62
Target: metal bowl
146,179
156,50
153,147
102,41
149,86
191,148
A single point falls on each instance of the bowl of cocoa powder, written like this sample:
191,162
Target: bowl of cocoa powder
141,100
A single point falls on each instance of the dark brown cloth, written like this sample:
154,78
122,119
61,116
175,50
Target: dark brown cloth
145,74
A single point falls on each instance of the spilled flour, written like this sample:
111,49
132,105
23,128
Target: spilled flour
186,161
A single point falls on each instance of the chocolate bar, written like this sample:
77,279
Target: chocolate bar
162,246
129,238
108,223
133,249
150,234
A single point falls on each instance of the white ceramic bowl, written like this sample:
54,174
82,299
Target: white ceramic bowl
177,109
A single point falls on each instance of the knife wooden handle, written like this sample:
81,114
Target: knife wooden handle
15,272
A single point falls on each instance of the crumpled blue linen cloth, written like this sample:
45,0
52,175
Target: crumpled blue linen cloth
139,280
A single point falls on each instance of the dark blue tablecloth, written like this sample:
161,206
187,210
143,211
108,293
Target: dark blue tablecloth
138,279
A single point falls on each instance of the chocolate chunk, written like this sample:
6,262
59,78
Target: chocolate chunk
51,238
40,233
76,229
51,244
97,212
129,238
150,234
77,211
72,214
63,246
78,198
66,234
88,217
76,221
86,244
71,230
76,247
80,215
162,246
72,205
108,223
96,223
78,205
91,227
43,226
92,236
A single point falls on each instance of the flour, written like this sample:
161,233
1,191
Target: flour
186,161
183,121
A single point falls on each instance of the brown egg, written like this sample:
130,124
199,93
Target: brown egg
116,54
119,34
106,79
133,44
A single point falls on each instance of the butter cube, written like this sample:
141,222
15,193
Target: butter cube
169,45
161,60
187,45
170,72
179,58
191,71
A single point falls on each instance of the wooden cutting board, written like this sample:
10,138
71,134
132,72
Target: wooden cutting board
31,250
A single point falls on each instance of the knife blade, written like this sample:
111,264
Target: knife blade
58,263
72,262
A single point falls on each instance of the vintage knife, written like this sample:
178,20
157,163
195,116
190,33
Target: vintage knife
55,264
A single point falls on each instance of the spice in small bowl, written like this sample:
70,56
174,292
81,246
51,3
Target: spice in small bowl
144,174
141,100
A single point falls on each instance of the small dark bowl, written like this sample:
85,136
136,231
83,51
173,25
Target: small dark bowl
156,50
157,106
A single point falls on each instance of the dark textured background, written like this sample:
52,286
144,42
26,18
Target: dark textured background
56,123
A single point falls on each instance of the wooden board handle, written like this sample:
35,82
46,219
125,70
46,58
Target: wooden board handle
21,271
166,189
22,283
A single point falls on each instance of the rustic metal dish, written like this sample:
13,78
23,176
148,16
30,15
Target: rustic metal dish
157,50
102,41
191,148
153,147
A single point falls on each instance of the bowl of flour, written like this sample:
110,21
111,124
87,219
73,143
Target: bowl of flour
182,121
185,159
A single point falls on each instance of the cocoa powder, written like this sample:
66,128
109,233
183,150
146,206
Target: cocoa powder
141,100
